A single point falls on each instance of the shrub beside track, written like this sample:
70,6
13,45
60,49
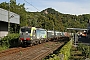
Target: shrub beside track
63,53
8,41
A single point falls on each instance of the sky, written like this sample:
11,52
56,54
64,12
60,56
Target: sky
73,7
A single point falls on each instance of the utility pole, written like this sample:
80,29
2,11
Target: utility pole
54,28
45,13
26,17
8,22
9,19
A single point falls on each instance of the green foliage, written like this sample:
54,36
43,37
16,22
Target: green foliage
10,37
3,48
9,41
64,53
66,50
85,49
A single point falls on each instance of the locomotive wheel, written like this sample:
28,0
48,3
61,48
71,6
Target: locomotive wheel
31,44
37,42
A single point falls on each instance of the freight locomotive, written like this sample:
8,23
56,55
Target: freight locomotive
33,35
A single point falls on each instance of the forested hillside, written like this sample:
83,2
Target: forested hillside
49,18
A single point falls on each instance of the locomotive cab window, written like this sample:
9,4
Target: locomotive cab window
26,30
22,29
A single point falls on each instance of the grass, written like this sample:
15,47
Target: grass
76,54
3,48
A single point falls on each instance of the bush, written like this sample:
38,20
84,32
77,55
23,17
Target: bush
64,52
85,49
9,40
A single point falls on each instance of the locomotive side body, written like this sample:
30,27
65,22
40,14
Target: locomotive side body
41,33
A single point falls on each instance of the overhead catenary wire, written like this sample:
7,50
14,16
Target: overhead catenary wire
31,5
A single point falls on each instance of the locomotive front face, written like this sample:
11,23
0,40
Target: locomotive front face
25,34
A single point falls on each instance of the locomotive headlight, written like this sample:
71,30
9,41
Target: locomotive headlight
26,32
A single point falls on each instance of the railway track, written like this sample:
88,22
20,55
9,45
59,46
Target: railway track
46,52
12,51
36,52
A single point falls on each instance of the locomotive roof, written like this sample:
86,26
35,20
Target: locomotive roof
40,29
34,27
26,27
50,31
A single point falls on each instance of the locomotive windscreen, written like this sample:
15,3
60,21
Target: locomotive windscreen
26,30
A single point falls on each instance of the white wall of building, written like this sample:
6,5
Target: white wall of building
4,16
4,21
3,33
